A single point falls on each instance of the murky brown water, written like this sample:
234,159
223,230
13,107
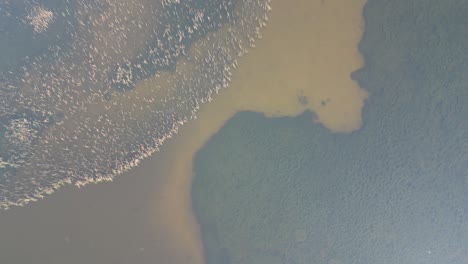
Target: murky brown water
303,62
305,57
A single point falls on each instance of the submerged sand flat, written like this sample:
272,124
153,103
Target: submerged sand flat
303,62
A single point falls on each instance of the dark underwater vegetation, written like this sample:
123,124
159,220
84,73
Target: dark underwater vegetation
286,190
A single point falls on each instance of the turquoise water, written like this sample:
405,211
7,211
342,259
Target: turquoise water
286,190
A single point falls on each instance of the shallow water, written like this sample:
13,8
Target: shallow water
75,113
155,196
252,81
285,190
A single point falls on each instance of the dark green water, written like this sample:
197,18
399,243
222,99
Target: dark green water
286,190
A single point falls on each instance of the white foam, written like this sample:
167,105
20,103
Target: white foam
40,18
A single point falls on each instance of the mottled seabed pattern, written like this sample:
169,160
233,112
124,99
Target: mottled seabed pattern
285,190
89,88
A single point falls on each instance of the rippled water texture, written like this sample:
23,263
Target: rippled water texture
284,190
96,86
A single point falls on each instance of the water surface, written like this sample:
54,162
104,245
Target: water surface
285,190
146,214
